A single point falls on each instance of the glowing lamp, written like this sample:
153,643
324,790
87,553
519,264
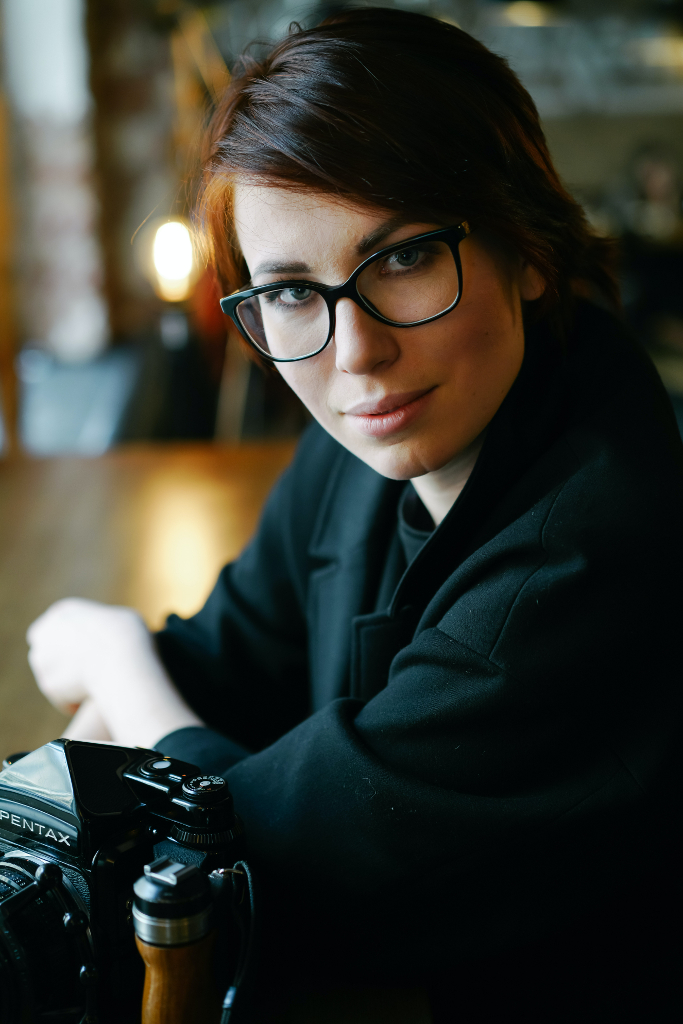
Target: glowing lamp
527,14
173,259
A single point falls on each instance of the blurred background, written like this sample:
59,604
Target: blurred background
138,446
110,331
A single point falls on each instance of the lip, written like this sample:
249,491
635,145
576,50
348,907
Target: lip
386,416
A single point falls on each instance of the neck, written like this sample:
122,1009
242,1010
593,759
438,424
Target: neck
438,491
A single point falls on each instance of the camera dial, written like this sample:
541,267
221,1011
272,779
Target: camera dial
214,822
205,789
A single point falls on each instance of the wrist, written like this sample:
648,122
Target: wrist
137,699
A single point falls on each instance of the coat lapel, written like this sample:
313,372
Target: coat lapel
348,550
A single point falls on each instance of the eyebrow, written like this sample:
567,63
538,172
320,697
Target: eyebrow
370,241
380,233
275,267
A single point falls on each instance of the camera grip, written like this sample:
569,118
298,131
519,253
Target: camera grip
179,983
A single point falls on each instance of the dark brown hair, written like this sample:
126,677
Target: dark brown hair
400,112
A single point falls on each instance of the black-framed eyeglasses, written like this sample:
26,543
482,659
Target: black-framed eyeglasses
413,282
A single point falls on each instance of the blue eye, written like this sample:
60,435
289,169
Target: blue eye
295,294
406,258
287,296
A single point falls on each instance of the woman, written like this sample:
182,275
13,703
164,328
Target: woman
442,681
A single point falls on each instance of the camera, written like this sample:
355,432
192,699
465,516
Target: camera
78,823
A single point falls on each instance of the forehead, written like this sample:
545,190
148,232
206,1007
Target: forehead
270,219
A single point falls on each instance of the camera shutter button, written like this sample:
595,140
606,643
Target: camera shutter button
156,766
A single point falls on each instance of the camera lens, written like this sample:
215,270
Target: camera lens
39,961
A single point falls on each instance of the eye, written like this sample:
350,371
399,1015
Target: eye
417,257
287,296
405,258
299,294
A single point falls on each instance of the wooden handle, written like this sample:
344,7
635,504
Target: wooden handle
179,984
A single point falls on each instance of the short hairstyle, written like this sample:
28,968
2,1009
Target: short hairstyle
400,112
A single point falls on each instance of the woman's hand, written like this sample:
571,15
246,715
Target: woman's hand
71,641
82,649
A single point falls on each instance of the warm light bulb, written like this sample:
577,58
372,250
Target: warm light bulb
526,14
662,51
173,260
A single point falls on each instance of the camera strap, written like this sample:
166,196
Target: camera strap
244,909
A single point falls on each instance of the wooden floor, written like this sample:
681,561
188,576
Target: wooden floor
148,526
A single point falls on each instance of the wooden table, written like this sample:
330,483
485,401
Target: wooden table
144,525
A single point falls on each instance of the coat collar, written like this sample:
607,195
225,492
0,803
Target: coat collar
556,378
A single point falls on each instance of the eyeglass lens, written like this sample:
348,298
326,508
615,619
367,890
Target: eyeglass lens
407,286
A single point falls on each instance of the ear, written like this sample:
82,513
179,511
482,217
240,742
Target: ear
531,283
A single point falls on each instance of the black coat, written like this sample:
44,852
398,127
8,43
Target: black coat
494,755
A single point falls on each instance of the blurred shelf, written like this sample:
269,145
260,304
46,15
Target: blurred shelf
77,408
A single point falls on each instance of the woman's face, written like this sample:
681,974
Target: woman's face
407,401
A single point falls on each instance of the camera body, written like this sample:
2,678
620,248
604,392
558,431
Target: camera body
78,823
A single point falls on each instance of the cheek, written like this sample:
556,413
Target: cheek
485,334
476,344
309,380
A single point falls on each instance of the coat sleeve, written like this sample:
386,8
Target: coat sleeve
503,779
241,662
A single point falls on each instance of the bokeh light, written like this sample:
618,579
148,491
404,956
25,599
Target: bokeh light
173,260
527,14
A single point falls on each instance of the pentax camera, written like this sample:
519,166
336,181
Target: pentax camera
78,823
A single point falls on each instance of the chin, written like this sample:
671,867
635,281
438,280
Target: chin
392,463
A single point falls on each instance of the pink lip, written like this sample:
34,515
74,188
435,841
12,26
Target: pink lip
389,414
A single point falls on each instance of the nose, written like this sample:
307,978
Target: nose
362,344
